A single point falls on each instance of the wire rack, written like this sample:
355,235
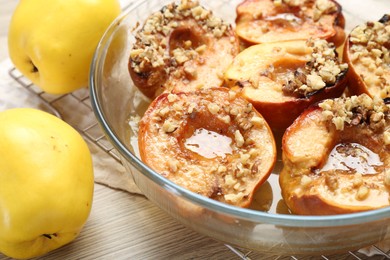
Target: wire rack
80,102
90,130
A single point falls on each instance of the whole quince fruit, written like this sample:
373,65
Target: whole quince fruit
52,42
46,182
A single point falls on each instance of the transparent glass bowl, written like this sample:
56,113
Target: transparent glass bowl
118,105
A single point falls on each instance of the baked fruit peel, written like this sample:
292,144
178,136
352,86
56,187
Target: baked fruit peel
183,47
46,183
367,52
262,21
282,79
336,157
52,42
211,142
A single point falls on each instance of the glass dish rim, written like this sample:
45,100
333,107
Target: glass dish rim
222,208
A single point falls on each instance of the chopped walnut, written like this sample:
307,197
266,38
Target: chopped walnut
234,111
233,198
173,165
230,180
322,70
191,108
320,7
150,47
386,178
163,111
191,72
239,138
222,169
362,193
386,137
181,55
331,181
258,121
169,126
356,110
244,157
226,119
213,108
201,48
172,97
370,47
232,94
291,2
278,2
358,180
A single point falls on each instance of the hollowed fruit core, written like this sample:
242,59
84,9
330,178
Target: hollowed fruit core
283,68
181,36
209,144
205,137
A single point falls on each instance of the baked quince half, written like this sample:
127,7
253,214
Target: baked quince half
367,52
336,157
261,21
211,142
183,47
282,79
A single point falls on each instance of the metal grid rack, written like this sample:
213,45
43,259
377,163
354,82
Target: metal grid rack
91,131
80,100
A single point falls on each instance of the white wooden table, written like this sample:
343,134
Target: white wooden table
127,226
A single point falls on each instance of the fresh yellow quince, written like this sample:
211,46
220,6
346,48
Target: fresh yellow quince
52,42
46,182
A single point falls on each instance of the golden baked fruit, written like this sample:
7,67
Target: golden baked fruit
212,142
261,21
183,47
336,157
367,51
282,79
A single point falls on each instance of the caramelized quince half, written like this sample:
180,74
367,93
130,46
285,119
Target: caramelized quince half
367,52
336,157
211,142
282,79
261,21
183,47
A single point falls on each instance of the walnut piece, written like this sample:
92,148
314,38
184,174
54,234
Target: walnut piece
370,47
357,110
322,70
320,7
149,50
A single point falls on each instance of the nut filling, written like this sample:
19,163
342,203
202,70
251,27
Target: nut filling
320,7
358,111
369,52
151,40
368,116
336,157
323,69
212,142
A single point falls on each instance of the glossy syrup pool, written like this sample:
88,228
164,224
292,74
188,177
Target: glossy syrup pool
209,144
354,158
